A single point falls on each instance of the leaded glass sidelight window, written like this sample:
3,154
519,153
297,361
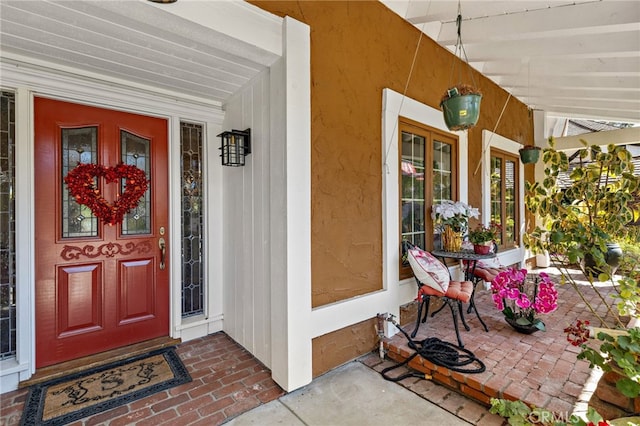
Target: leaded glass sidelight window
7,227
192,219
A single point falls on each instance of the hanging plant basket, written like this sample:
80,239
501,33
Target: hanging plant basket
530,154
461,107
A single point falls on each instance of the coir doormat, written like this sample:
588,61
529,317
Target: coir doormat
66,399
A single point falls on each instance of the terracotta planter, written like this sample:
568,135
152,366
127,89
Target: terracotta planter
482,248
609,401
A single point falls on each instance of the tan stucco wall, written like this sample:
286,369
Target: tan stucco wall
339,347
357,49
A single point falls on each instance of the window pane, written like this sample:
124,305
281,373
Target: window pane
78,146
510,202
135,152
442,172
192,220
496,192
413,201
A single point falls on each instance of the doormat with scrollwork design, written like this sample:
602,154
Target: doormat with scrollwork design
69,398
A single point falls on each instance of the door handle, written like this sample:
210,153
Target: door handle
163,251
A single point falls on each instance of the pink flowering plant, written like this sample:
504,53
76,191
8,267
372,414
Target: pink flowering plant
522,296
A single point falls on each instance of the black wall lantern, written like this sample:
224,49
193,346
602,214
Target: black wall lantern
235,145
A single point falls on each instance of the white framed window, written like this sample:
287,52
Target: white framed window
503,193
395,108
429,174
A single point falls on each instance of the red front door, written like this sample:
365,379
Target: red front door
98,286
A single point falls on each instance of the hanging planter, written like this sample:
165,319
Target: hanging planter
529,154
461,103
461,107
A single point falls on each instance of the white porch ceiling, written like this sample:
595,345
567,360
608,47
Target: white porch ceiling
187,49
573,59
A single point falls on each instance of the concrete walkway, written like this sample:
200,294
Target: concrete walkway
353,394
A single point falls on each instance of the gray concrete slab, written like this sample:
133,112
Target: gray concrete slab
270,414
349,395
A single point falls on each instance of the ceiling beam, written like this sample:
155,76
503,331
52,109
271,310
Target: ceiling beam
630,135
600,66
626,43
569,20
576,111
593,94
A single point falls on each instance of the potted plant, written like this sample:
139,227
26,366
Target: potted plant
590,208
618,356
522,297
451,220
483,237
529,154
619,353
461,107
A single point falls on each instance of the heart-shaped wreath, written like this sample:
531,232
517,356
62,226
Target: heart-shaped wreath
80,182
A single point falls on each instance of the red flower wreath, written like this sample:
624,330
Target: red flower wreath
81,186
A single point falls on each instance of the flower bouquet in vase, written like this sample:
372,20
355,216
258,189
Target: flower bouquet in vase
522,297
451,220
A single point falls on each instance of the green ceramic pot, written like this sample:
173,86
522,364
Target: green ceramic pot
530,155
461,112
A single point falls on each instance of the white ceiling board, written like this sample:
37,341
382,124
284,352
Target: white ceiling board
144,43
549,54
578,58
581,19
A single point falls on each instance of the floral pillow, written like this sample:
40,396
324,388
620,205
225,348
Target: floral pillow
429,270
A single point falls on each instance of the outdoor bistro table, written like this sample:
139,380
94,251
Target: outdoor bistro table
471,259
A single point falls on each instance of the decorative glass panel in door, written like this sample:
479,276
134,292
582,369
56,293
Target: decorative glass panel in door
79,146
135,152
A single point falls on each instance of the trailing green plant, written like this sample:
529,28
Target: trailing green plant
518,413
619,352
631,258
595,205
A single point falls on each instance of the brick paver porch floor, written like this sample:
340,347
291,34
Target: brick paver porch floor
540,369
227,381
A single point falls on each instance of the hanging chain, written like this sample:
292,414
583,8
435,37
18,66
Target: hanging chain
459,50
